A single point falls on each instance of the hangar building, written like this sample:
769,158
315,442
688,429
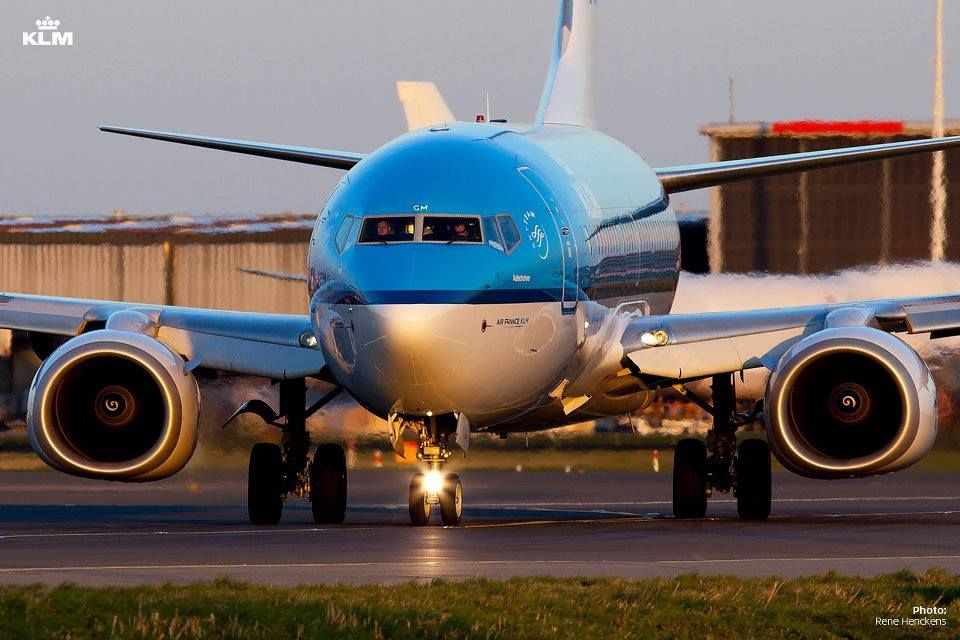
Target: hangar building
822,221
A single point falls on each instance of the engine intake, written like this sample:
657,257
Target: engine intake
114,405
850,402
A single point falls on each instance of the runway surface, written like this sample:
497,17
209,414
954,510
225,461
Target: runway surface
193,527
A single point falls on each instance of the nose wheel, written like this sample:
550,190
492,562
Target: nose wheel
420,506
430,488
451,500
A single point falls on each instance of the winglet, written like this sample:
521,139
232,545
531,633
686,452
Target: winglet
422,104
568,92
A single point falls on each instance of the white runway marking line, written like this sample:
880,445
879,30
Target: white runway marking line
879,513
130,534
631,503
813,559
530,523
450,563
652,517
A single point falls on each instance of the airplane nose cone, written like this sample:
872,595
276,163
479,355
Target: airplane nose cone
402,358
413,344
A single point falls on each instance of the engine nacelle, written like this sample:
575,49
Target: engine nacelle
114,405
850,402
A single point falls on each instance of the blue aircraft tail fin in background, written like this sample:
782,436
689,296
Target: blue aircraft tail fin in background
568,92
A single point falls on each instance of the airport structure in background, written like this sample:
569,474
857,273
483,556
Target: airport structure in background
191,261
822,221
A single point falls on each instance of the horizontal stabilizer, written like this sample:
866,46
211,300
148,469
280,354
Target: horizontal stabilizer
274,275
698,176
423,105
320,157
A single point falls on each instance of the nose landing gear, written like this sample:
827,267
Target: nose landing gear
435,488
432,487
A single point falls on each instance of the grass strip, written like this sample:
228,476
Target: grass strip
690,606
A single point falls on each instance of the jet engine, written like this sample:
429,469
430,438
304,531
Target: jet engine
850,402
114,405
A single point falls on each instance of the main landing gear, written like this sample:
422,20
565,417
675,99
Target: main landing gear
276,472
720,465
432,487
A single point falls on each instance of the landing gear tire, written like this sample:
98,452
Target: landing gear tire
328,484
419,501
690,479
265,484
451,500
753,480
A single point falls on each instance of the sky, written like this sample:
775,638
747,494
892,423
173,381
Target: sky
322,74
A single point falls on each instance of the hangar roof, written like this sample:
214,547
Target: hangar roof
136,229
827,128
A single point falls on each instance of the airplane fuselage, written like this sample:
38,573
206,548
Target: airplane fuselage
515,323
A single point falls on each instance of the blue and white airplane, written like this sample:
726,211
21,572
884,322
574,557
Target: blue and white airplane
493,277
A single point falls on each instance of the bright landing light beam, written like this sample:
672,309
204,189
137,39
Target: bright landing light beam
433,482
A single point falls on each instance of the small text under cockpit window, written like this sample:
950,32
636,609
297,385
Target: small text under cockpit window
387,229
451,229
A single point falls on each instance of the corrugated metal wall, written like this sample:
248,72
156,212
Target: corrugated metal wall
829,219
204,274
208,275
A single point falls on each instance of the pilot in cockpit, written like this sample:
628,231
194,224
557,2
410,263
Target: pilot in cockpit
460,231
384,230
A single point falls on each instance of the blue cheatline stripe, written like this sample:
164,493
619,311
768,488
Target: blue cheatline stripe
486,296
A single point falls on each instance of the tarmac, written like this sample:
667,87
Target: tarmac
54,529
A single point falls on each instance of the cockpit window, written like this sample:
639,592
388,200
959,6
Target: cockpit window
451,229
491,233
508,231
343,233
388,229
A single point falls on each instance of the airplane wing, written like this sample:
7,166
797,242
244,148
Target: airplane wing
711,174
305,155
690,346
270,345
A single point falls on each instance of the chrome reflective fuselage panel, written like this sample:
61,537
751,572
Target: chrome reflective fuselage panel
421,327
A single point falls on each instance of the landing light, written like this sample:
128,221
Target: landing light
433,482
308,340
656,338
